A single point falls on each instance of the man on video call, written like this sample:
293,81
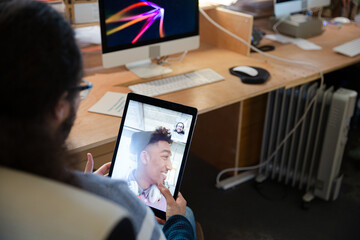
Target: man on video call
179,129
153,152
179,133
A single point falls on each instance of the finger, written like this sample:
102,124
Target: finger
104,169
160,221
166,193
89,164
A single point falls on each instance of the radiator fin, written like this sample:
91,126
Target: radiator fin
297,162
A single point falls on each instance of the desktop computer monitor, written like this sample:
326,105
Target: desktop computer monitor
287,7
317,3
136,30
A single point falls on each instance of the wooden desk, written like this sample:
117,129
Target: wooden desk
221,105
326,59
93,130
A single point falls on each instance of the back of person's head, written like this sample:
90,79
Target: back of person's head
39,59
39,63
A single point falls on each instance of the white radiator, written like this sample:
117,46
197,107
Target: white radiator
310,159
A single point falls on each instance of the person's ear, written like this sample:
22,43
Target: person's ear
144,157
62,108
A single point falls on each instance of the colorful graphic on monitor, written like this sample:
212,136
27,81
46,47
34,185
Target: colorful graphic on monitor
132,15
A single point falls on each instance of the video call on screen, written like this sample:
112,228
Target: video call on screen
142,117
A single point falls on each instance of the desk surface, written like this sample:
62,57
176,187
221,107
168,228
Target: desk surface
92,130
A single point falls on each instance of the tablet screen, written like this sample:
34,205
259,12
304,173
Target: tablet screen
152,146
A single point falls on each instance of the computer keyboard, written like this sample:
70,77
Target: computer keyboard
176,83
350,49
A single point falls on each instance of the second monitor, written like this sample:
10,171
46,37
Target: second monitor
302,26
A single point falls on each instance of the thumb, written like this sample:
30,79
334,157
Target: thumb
89,164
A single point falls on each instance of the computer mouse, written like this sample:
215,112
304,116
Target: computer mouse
247,70
250,75
342,20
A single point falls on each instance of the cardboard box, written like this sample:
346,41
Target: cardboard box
82,11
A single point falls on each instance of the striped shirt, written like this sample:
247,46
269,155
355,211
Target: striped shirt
142,217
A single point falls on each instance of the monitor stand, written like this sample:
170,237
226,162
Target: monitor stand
298,26
147,69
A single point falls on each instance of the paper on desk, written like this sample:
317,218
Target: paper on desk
301,43
306,45
112,103
88,35
279,38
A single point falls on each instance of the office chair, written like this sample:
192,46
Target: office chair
33,207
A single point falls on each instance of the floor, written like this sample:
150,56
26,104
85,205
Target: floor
271,210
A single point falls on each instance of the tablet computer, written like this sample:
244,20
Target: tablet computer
152,147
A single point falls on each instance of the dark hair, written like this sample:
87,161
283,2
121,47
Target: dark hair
39,59
39,62
160,134
182,132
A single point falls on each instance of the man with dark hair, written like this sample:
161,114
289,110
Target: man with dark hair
179,128
179,133
40,74
153,151
41,83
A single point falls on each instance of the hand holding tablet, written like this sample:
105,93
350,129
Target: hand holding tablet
149,151
174,207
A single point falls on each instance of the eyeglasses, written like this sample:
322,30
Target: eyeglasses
84,88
